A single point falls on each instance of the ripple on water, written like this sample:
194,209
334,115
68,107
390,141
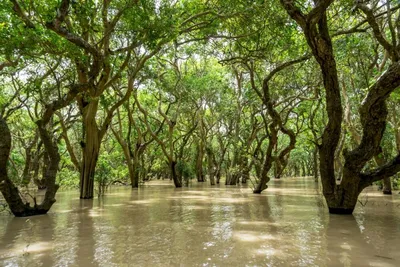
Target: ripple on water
158,225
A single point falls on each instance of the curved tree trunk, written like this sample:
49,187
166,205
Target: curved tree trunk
7,188
11,192
264,179
342,198
273,139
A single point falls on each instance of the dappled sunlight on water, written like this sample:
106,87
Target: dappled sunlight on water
159,225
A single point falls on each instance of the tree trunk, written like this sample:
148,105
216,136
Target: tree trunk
174,174
341,199
227,178
264,179
315,161
52,167
210,165
278,169
245,176
344,198
258,168
36,160
41,183
131,161
132,169
212,178
26,176
133,175
245,169
231,179
11,192
303,168
90,149
147,169
135,169
387,186
218,175
199,162
231,174
296,170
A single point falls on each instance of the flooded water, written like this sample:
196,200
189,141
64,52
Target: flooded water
158,225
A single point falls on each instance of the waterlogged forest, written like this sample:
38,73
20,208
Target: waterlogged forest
236,122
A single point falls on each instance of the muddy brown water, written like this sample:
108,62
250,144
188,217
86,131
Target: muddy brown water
158,225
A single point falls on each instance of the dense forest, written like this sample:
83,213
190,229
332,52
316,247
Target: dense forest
99,92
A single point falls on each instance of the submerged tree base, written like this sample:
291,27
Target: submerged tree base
341,211
86,197
259,188
30,212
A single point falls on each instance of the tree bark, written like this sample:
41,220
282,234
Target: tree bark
199,161
245,169
68,144
315,162
342,198
26,175
268,160
131,164
387,186
134,170
90,150
210,165
11,192
175,175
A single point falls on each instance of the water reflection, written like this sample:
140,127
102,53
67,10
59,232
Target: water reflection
84,241
27,241
159,225
349,246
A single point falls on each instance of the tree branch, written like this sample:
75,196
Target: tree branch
387,170
394,54
21,13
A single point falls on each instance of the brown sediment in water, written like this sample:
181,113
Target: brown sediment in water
158,225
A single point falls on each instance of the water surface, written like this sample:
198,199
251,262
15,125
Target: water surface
158,225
